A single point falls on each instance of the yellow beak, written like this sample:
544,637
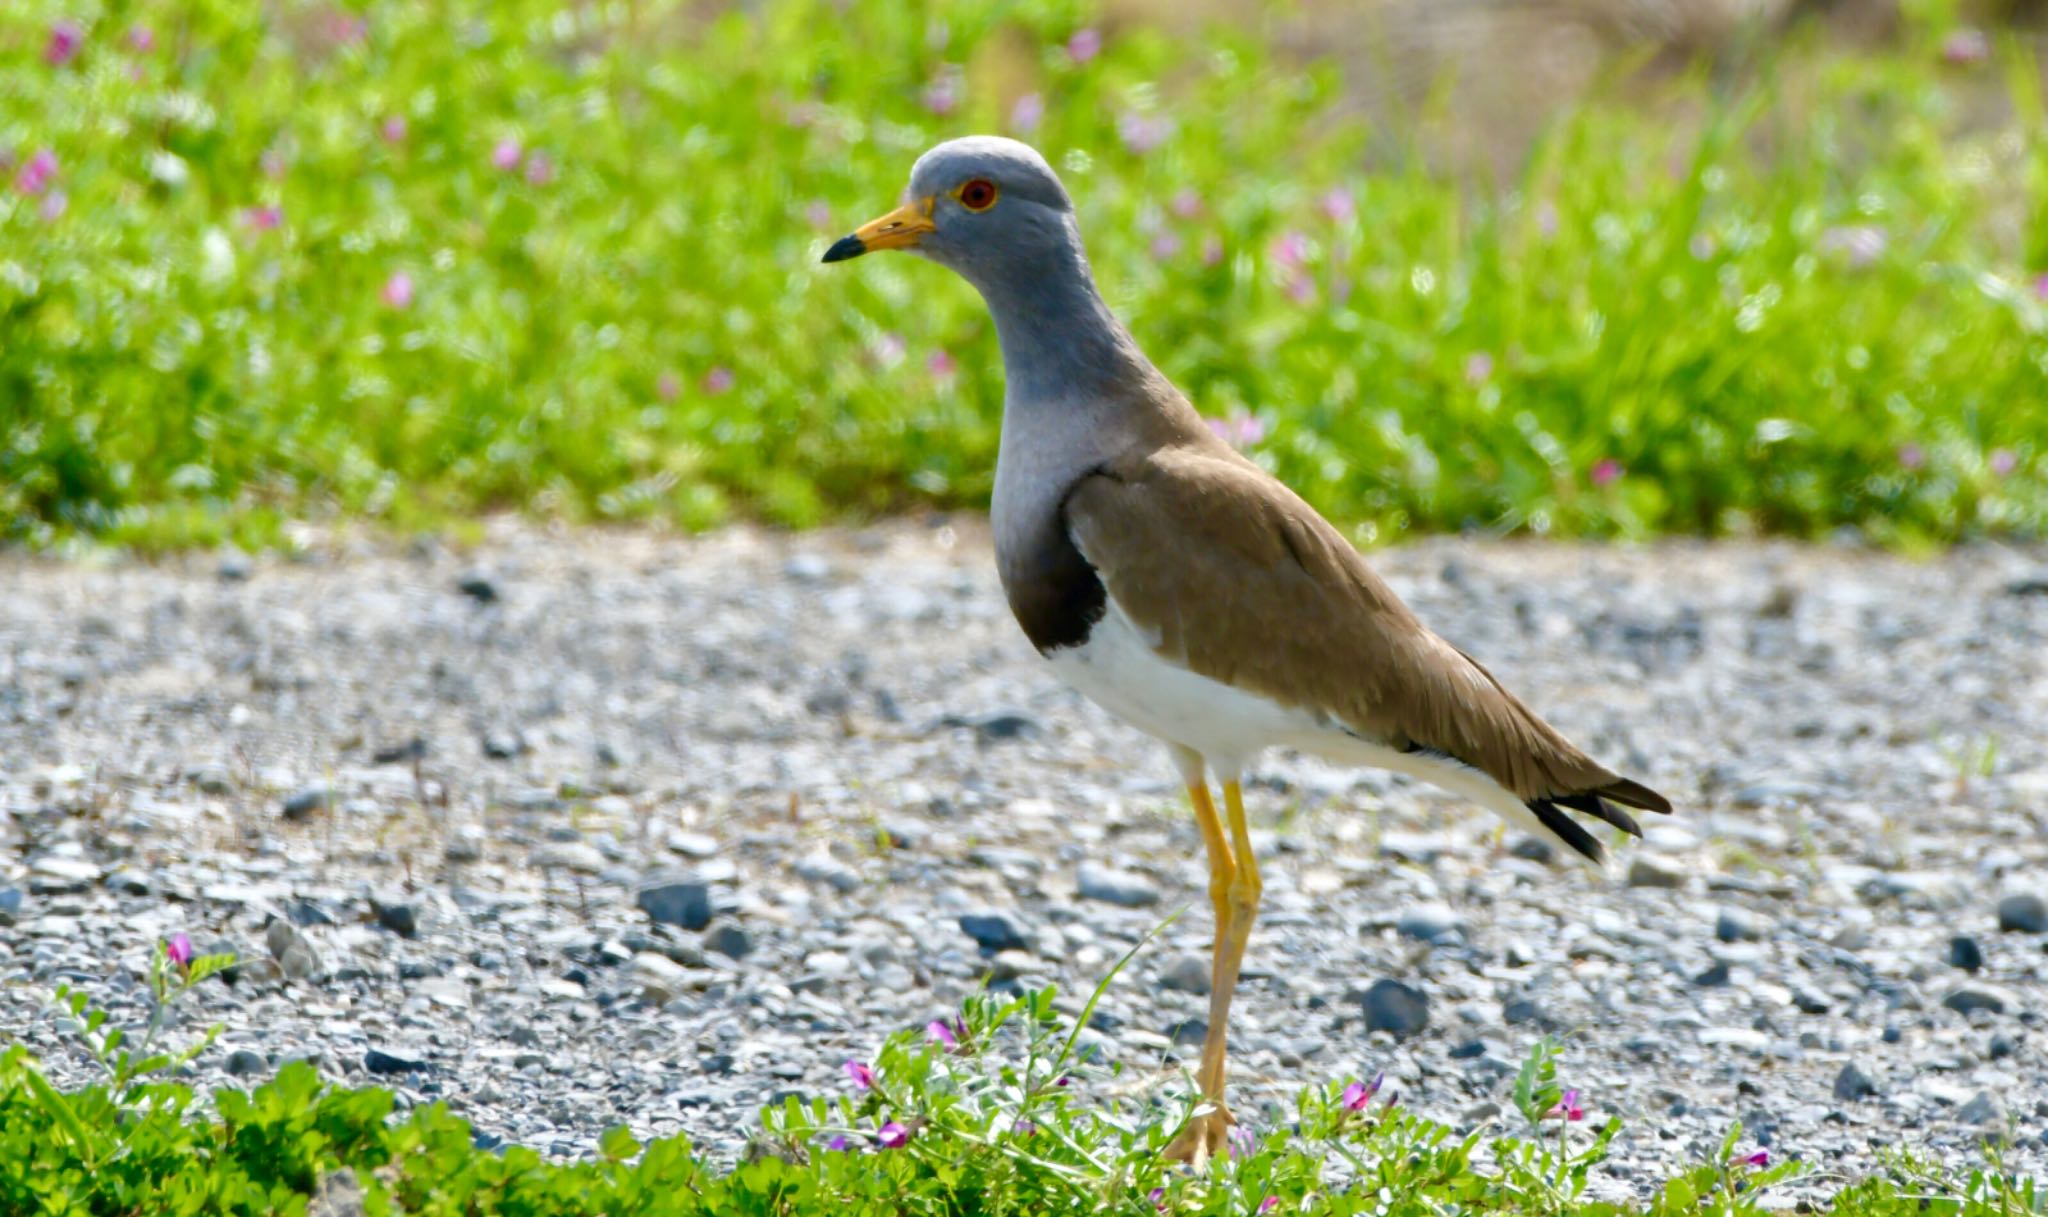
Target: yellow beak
902,228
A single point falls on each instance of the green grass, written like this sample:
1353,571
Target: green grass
1009,1119
1675,319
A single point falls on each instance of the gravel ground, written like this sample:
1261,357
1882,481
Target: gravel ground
421,792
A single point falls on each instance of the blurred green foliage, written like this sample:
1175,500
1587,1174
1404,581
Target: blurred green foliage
564,258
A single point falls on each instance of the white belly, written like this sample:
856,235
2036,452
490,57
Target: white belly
1118,670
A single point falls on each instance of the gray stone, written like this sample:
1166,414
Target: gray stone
1394,1007
1983,1109
1852,1084
234,566
307,799
729,940
577,856
1971,998
1118,887
995,930
2023,913
1735,925
244,1063
478,586
1185,974
1432,923
388,1061
1534,849
1964,953
211,778
1188,1032
828,870
1645,871
683,902
1715,975
398,917
504,745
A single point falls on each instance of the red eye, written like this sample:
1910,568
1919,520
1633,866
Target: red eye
978,195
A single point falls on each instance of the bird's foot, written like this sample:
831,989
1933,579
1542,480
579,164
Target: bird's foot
1206,1136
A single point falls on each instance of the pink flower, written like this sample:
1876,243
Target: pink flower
65,39
1605,472
1212,251
1186,204
397,292
2002,461
1760,1158
1026,113
1478,368
273,163
263,219
1142,133
1158,1198
2041,286
1912,456
863,1074
1301,289
539,169
837,1144
667,387
505,156
819,213
1546,219
888,350
942,96
178,950
1165,246
394,129
942,366
937,1031
141,40
1966,46
1291,250
1269,1204
1567,1108
36,175
1338,205
893,1135
1240,430
1358,1095
53,206
720,380
1859,245
1240,1141
1084,45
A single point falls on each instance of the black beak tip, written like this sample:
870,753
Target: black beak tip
844,248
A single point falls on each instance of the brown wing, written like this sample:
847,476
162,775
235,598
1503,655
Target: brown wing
1245,583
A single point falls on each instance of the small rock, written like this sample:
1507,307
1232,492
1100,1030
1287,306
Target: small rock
1394,1007
414,749
1188,1032
1118,887
244,1063
211,779
683,902
1852,1084
1971,998
2000,1047
308,799
994,930
2023,914
826,869
1432,923
1651,872
1714,977
1809,1002
401,919
1964,953
1983,1109
1534,849
662,980
387,1061
692,844
1470,1050
1519,1010
1734,925
235,566
1186,974
578,856
729,940
58,874
504,745
478,586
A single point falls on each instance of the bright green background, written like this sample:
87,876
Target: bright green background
1668,286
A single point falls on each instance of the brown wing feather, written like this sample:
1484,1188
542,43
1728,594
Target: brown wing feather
1243,582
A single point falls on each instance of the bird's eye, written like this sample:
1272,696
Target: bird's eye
977,195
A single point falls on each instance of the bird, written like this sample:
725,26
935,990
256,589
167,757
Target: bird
1174,582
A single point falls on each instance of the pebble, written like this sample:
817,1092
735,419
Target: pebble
1118,887
1970,999
1391,1006
387,1061
242,1063
478,586
1185,974
1431,923
397,916
1651,872
2023,913
994,930
685,903
308,799
1852,1084
729,940
828,870
1964,953
1734,925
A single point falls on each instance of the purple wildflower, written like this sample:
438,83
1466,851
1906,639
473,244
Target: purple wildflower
1605,472
1567,1108
1761,1158
1212,251
1240,1141
942,96
1026,113
1165,245
178,949
893,1135
1240,430
2002,461
398,291
141,40
1546,219
1269,1204
1301,289
1186,204
1024,1128
2041,286
863,1074
1291,250
1478,368
1965,47
942,366
1859,245
936,1030
719,380
36,175
540,169
819,213
53,206
1158,1198
837,1144
667,386
1338,205
1142,133
394,129
1912,456
888,350
263,219
273,162
505,156
1358,1095
65,39
1084,45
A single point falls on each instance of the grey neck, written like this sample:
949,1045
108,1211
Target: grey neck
1059,339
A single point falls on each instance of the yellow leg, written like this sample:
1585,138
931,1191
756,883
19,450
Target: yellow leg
1234,894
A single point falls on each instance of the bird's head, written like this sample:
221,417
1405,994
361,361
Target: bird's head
989,208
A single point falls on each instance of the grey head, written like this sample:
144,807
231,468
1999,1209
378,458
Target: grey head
994,211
